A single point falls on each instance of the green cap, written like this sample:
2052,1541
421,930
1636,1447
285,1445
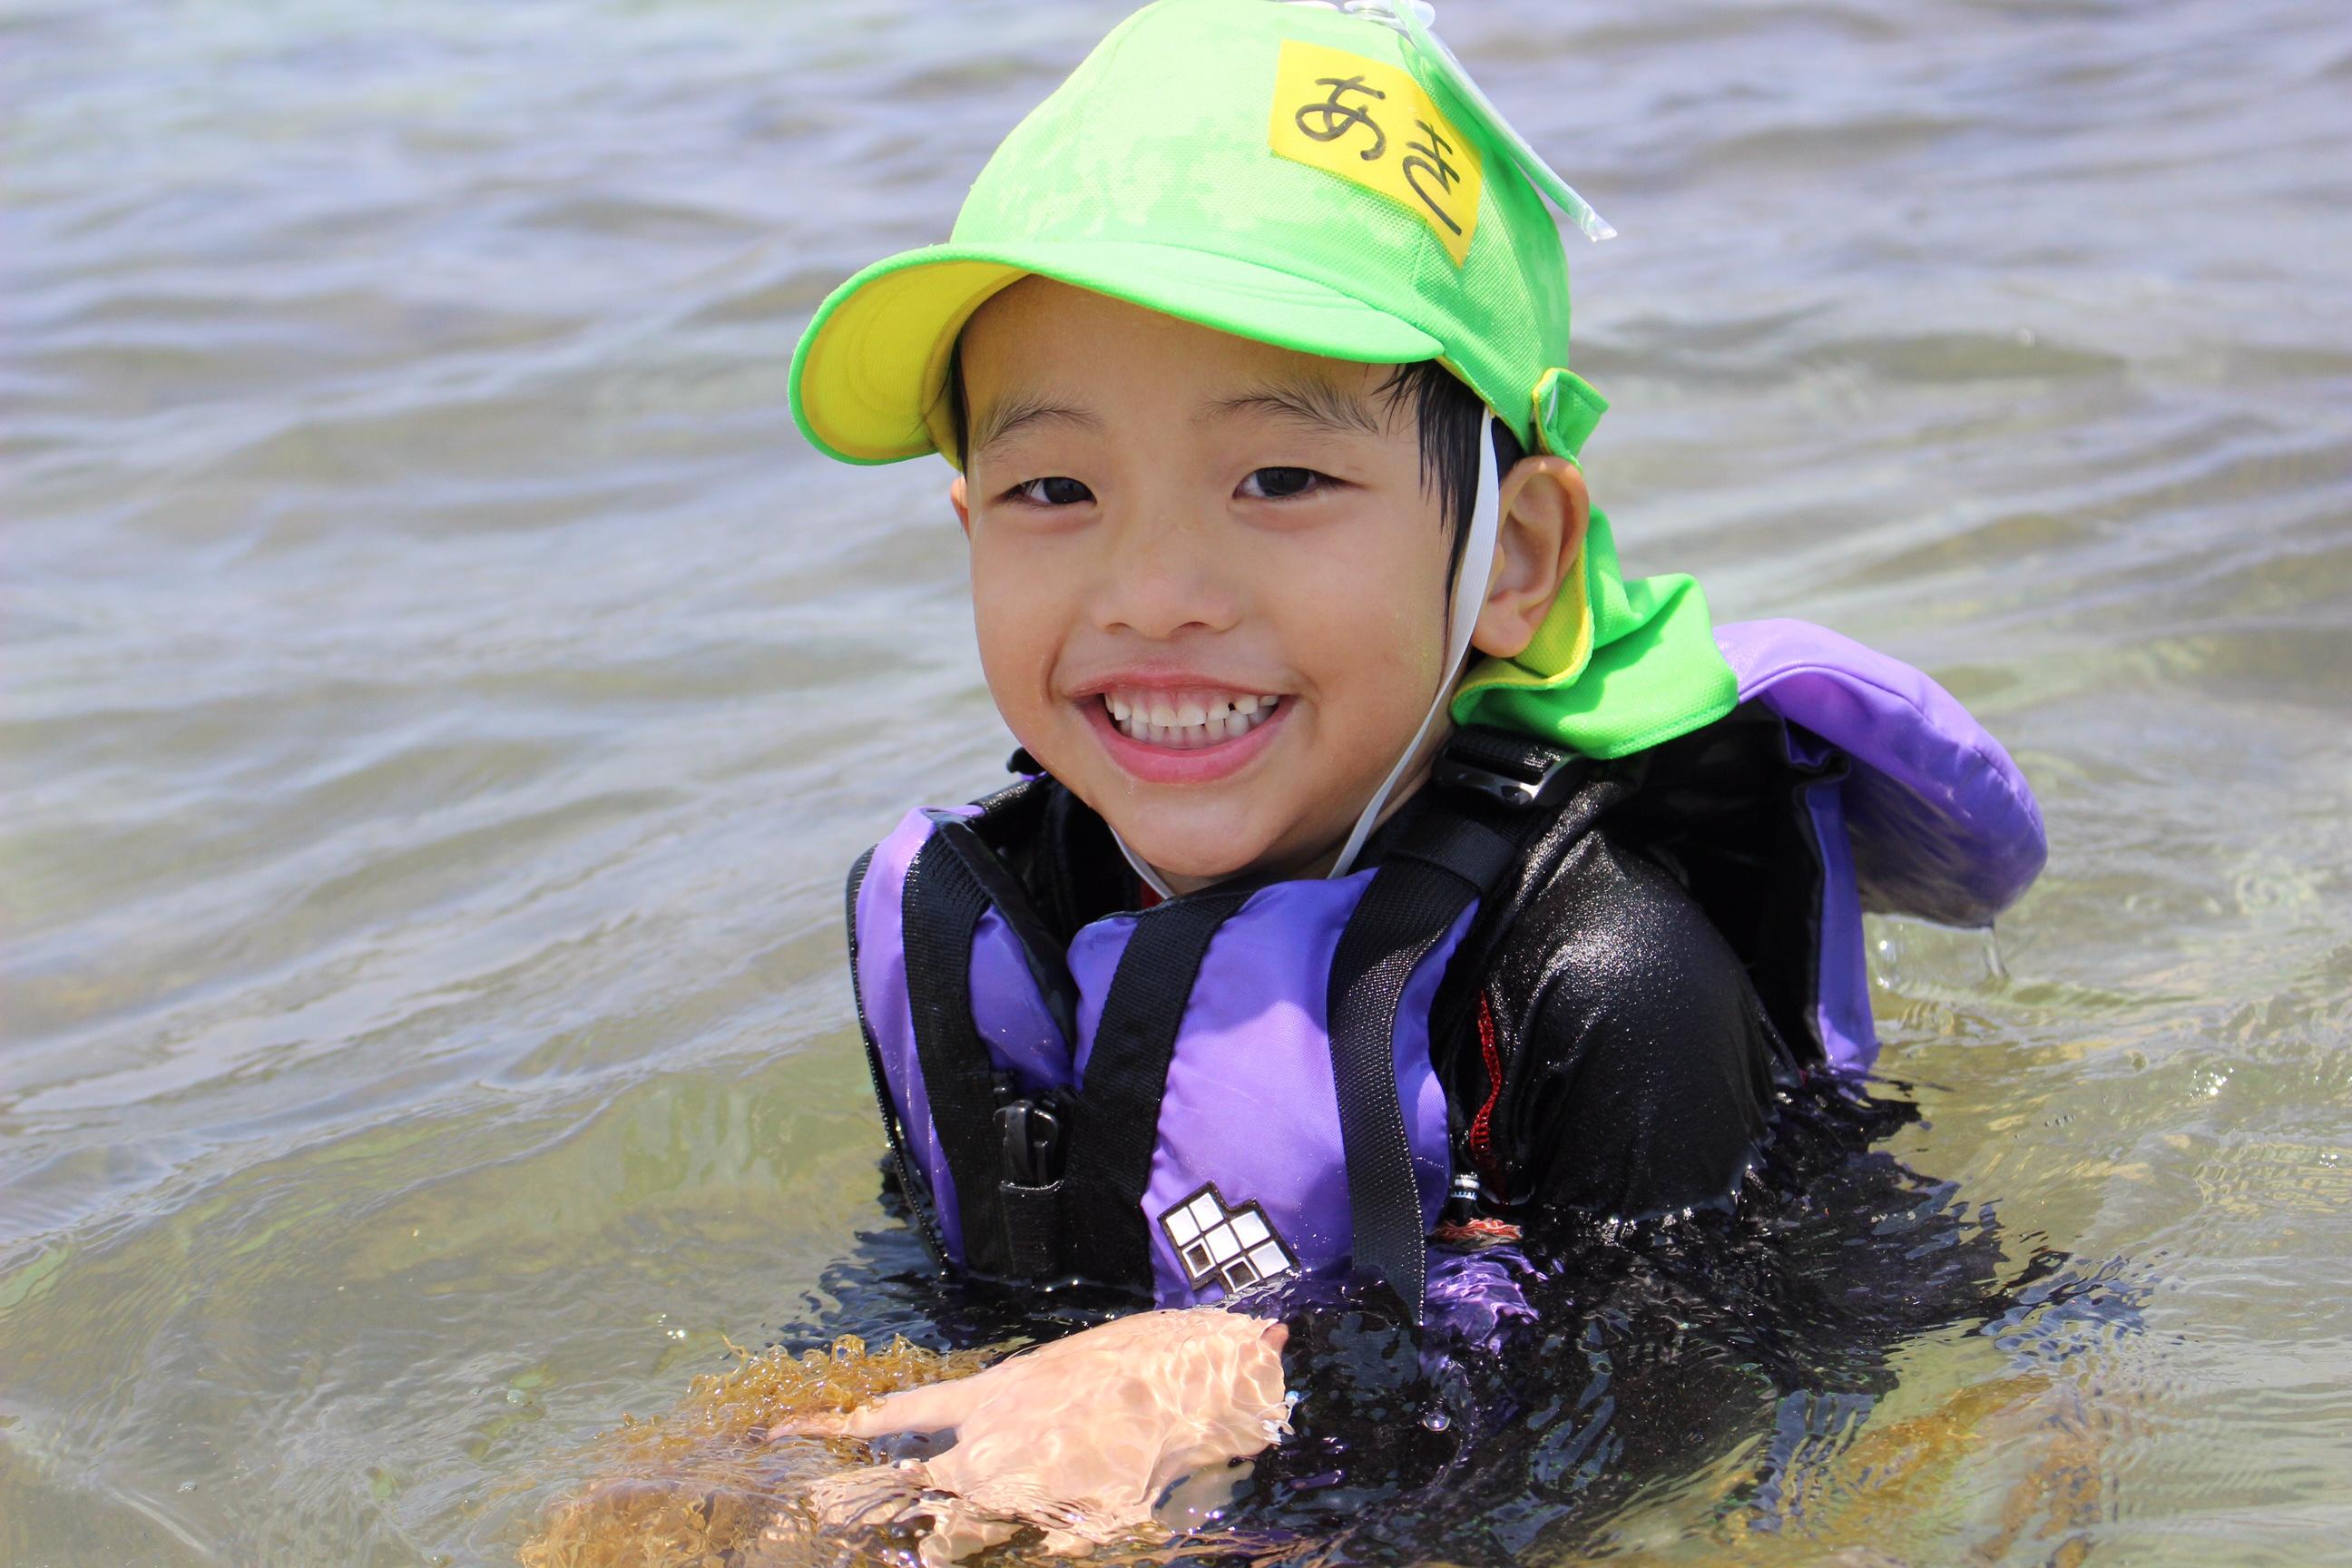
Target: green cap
1323,180
1293,173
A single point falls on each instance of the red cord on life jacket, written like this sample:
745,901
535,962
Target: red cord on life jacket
1482,1126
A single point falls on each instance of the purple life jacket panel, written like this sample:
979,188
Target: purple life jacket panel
1932,818
1248,1173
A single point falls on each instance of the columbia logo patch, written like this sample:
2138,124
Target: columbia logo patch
1232,1249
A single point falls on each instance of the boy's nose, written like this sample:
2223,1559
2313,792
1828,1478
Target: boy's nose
1165,573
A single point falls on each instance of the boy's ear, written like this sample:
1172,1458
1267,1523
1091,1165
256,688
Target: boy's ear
959,498
1546,510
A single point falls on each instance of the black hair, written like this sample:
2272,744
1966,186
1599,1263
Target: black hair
1448,417
1445,414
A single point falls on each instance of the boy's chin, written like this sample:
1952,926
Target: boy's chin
1195,854
1193,868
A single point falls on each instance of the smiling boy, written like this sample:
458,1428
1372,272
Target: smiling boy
1208,574
1384,864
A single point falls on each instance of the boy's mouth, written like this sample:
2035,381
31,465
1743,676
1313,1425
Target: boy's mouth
1186,721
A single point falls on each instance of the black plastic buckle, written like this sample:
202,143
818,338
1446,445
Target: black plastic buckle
1030,1136
1539,776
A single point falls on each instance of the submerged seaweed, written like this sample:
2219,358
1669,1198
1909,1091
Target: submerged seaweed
1717,1374
703,1485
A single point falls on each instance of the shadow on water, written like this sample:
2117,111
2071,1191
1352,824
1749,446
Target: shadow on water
1712,1385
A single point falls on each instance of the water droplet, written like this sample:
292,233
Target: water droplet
1437,1420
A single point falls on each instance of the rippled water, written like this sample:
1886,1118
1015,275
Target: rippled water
441,693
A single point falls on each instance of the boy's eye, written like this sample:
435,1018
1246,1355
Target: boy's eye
1279,484
1057,490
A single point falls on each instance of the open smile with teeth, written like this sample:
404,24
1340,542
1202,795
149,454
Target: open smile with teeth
1183,721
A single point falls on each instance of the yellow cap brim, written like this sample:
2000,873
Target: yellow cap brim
868,377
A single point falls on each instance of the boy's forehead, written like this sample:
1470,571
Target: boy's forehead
1042,338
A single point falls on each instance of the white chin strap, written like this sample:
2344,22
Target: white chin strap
1470,586
1151,878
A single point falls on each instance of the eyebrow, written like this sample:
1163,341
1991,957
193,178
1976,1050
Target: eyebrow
1305,401
1020,413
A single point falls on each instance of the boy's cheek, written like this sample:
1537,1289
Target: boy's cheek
1016,656
1375,640
1020,692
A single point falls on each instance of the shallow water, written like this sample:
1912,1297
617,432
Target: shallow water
441,695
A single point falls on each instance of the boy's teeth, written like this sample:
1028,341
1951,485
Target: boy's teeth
1184,719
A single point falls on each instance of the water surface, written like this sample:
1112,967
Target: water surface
441,693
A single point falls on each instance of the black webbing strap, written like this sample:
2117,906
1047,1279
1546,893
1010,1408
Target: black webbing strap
940,910
1442,860
1034,1240
1116,1117
1040,953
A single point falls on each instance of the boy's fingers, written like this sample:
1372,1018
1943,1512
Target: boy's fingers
932,1409
957,1530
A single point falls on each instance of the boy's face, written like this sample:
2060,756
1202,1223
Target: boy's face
1209,581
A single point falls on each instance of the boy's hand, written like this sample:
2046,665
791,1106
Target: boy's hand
1081,1437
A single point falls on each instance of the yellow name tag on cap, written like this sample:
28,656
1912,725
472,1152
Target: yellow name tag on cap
1372,124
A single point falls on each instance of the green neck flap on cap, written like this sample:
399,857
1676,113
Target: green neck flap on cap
1617,666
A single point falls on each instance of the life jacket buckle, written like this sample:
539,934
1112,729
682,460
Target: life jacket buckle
1030,1136
1509,769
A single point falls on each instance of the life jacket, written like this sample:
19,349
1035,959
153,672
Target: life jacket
1190,1100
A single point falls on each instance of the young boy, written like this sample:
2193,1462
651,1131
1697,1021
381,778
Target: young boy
1386,869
